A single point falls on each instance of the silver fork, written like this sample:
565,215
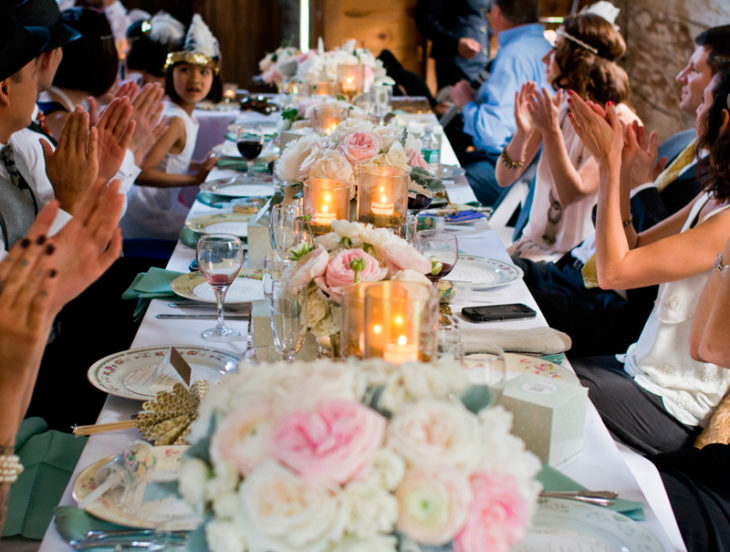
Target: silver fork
599,498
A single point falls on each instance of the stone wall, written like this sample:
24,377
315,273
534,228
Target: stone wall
660,38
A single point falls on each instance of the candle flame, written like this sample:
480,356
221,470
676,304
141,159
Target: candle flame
402,340
383,199
377,329
398,320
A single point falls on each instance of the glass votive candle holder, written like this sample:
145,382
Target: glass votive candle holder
350,79
400,321
323,88
325,117
352,338
229,92
326,199
382,197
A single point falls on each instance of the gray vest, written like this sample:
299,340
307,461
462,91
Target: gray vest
17,211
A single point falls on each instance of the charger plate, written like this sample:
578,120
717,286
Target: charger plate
516,364
127,374
248,287
484,273
572,526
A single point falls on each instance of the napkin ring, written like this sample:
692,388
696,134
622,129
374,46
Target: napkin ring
10,468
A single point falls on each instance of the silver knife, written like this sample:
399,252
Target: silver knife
211,306
229,316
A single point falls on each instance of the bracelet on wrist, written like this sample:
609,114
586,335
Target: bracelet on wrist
720,266
509,162
628,222
10,468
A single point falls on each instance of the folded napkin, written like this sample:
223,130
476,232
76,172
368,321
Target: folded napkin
540,340
237,164
553,480
152,284
188,237
463,216
48,459
213,200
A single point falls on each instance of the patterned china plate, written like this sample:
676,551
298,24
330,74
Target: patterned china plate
229,223
484,273
569,525
248,186
522,364
127,374
152,512
246,288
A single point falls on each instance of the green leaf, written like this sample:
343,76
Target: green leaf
424,178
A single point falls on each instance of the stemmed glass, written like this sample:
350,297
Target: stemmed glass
286,228
287,319
220,257
249,142
442,250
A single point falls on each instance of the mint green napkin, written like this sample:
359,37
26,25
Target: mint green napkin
48,458
213,200
553,480
231,163
152,284
188,237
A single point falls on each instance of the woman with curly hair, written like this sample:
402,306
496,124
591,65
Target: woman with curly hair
658,397
583,60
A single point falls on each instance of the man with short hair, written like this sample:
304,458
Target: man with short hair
489,112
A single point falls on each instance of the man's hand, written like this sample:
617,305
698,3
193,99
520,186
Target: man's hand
462,93
73,167
147,109
115,130
468,47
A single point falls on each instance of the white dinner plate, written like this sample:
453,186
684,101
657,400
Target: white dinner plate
484,273
157,507
258,185
129,374
229,223
570,526
248,287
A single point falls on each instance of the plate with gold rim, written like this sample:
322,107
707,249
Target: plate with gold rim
249,286
228,223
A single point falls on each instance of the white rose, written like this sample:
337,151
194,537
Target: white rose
416,381
436,432
380,543
410,275
376,370
329,241
377,237
387,469
282,512
315,307
389,134
326,326
297,154
309,382
349,126
346,229
371,509
334,165
396,156
413,143
222,536
192,477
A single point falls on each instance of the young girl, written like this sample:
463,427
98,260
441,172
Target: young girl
191,76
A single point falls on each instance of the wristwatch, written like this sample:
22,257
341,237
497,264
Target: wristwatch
719,265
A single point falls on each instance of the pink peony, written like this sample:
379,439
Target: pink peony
334,443
309,267
399,255
497,518
360,147
433,503
243,439
415,159
339,272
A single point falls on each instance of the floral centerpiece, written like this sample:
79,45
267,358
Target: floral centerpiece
356,457
279,65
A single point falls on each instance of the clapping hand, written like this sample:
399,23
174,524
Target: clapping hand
639,157
523,118
115,128
544,110
600,130
147,109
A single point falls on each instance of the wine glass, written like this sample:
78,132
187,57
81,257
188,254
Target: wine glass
286,228
220,257
489,372
441,249
249,142
287,319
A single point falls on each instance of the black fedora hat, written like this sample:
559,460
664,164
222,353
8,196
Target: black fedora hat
44,13
19,45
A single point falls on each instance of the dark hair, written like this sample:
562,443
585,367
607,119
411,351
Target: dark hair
91,62
146,54
592,76
216,88
714,169
717,41
518,12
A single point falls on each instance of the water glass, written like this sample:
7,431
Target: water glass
275,266
439,247
489,370
448,338
286,228
287,319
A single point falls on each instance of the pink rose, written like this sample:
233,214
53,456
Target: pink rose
309,267
360,147
336,442
272,74
399,255
243,439
497,518
433,503
415,159
340,272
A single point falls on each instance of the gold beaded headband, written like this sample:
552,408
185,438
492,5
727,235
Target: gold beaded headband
194,58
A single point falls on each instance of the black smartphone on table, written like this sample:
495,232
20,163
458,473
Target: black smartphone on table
491,313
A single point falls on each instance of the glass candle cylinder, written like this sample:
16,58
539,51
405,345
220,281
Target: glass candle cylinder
325,118
400,321
326,200
229,92
382,197
350,78
352,338
323,88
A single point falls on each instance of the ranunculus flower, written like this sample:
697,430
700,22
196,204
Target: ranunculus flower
334,443
334,165
433,503
497,517
436,433
387,469
400,255
283,512
191,478
243,438
310,266
415,381
361,147
340,272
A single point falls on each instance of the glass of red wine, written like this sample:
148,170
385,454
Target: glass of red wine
250,142
220,257
441,249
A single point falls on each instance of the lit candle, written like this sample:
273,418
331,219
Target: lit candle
326,213
326,200
349,86
331,127
229,92
383,206
400,352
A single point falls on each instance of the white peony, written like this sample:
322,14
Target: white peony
223,536
298,157
377,237
380,543
334,165
396,157
329,240
284,513
387,469
346,229
371,509
389,134
436,433
413,143
192,477
306,383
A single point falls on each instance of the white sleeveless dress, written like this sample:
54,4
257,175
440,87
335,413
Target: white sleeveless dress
660,361
158,212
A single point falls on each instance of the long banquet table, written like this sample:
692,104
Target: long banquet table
603,464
